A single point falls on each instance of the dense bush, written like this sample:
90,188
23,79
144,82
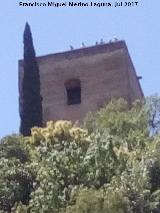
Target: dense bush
105,201
110,165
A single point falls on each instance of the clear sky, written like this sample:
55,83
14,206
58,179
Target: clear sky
54,29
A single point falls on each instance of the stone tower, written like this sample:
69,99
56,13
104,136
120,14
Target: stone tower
82,80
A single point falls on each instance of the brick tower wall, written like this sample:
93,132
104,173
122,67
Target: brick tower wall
105,72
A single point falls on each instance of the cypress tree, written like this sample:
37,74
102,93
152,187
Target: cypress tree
31,100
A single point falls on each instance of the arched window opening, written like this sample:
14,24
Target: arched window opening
73,88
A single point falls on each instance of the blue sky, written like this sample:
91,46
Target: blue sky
54,29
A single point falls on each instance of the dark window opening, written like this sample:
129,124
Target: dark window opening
73,88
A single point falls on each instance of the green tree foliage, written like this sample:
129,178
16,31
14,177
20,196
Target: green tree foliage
16,182
105,201
31,100
153,104
110,165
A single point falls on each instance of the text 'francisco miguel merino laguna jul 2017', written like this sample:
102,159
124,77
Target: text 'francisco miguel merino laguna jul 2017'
79,4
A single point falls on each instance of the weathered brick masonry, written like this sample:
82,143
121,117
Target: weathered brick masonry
105,72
